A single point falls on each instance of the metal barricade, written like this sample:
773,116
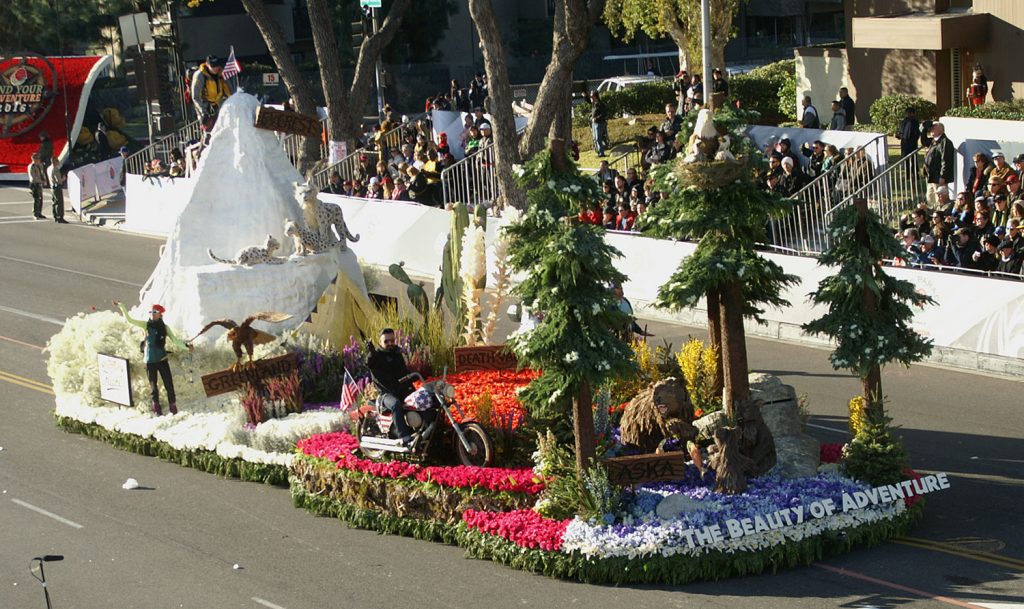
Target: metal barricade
472,180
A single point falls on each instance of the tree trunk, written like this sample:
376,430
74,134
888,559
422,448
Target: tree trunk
573,20
872,382
715,336
297,88
583,415
734,346
506,152
677,32
369,53
722,13
326,44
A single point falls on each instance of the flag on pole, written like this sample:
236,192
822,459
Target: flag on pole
231,67
348,393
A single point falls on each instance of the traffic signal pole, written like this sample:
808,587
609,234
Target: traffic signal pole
376,67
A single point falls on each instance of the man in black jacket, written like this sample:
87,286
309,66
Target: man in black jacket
939,162
1009,260
390,376
849,107
909,132
598,122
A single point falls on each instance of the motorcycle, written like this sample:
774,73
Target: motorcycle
378,433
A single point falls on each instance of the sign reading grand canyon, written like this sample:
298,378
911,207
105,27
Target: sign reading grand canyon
27,92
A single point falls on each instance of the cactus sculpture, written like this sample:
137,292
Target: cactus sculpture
449,291
417,295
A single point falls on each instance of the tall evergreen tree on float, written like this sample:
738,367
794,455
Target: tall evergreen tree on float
718,203
869,311
568,267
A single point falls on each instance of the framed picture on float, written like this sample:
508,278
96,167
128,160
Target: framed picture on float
115,379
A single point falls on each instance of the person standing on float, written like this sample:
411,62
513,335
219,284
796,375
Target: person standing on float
155,354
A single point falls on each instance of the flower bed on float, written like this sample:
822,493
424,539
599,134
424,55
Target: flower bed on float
487,511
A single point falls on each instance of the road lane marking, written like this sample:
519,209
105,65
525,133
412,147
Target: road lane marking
24,382
23,344
66,270
35,316
845,432
266,603
927,544
895,586
40,510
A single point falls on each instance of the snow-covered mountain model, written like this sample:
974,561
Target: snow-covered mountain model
244,191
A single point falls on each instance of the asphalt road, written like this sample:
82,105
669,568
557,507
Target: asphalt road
175,543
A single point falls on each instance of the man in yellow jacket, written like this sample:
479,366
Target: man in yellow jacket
209,90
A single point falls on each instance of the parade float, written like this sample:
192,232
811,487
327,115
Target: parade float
614,461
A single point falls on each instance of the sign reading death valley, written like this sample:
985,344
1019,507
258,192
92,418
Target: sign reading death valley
27,92
492,357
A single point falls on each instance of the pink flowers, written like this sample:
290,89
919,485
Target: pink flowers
339,447
525,528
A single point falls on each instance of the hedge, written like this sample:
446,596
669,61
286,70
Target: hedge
647,98
1006,111
887,111
203,460
769,90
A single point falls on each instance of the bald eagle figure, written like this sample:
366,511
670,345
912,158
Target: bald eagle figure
245,335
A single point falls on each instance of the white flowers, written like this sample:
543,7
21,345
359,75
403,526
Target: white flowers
572,357
518,171
595,308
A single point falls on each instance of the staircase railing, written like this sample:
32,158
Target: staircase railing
161,149
626,161
472,180
292,144
346,168
893,192
804,229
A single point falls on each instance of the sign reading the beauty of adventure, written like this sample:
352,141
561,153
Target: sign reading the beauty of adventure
115,379
27,92
638,469
224,381
495,357
285,121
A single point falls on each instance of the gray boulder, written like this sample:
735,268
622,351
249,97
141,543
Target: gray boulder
798,454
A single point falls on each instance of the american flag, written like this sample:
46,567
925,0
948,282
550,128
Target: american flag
348,393
231,66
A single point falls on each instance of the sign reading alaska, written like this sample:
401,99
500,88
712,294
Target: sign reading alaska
27,92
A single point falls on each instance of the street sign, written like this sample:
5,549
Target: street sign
271,79
369,3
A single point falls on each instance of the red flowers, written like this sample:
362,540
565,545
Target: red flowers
501,385
831,453
339,447
525,528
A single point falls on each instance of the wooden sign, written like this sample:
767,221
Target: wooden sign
287,122
638,469
224,381
495,357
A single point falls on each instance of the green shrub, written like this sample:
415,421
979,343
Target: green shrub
648,98
888,111
1006,111
769,90
874,456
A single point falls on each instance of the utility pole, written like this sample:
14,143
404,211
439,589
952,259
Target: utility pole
705,32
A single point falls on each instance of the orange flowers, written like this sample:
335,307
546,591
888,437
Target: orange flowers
502,386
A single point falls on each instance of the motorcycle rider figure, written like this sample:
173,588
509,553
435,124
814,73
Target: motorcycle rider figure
390,376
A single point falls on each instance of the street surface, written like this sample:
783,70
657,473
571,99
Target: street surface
175,542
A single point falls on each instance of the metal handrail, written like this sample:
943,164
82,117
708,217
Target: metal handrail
805,227
471,180
346,168
136,163
892,192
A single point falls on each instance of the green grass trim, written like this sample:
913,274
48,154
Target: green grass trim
203,460
676,569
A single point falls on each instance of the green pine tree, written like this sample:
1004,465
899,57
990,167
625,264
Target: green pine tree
869,311
568,267
728,215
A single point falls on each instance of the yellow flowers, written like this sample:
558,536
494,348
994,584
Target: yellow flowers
700,369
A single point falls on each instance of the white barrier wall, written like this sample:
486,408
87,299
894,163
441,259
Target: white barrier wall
964,326
152,205
93,181
973,135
